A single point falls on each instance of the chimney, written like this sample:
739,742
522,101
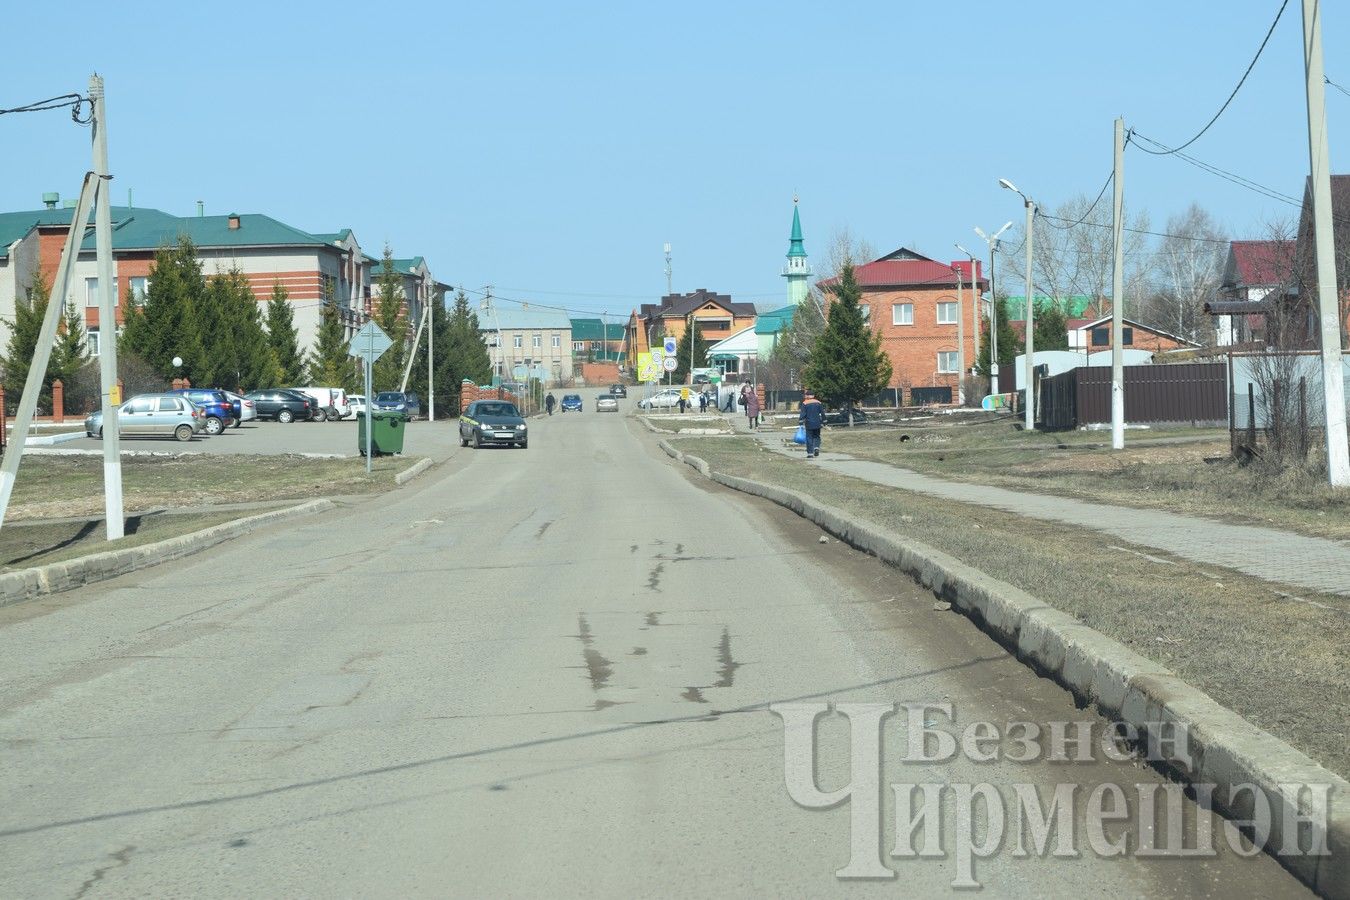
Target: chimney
201,209
234,221
50,200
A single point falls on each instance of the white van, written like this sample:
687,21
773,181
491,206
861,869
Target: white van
331,402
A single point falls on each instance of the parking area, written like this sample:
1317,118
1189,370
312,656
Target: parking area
433,439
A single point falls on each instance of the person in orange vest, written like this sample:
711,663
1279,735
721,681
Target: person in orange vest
813,419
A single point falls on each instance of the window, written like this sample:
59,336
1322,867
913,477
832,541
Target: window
1101,337
91,340
946,313
140,286
902,314
730,366
1126,336
141,405
578,347
947,361
91,292
866,311
537,342
168,404
518,341
557,341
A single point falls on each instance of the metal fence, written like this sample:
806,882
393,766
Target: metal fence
1194,393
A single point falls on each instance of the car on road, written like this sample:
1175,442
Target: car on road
618,390
152,415
571,403
282,405
243,408
605,403
405,402
215,406
661,399
492,422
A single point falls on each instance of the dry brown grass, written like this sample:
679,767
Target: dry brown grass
1277,661
1195,477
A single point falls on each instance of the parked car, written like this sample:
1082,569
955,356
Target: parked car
328,403
357,404
152,415
243,408
492,422
407,403
606,403
661,399
571,403
618,390
284,406
214,404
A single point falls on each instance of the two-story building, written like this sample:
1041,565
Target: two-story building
527,342
718,317
911,302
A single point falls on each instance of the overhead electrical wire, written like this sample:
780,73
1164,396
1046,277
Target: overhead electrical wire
1336,86
1100,195
1241,81
74,101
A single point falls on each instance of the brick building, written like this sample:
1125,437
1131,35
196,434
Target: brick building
718,318
911,301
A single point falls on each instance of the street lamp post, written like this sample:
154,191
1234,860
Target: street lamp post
1030,367
961,318
993,243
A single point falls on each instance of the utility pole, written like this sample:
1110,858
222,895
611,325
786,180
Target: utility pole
669,289
1118,291
960,341
431,358
107,317
1333,381
993,242
1030,368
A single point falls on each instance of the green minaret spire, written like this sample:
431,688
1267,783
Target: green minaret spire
796,248
798,271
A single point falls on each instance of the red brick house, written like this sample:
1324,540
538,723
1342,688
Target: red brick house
911,301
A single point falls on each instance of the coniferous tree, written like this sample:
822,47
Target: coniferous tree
847,363
282,337
683,352
330,364
25,328
1009,341
439,326
1051,327
221,361
391,316
70,353
254,367
166,325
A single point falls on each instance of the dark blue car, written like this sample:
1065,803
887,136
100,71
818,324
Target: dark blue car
215,406
571,402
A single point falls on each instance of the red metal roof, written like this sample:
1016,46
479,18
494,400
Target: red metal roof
911,273
1263,262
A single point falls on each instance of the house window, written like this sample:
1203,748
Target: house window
730,366
902,314
1126,336
866,311
91,292
557,341
91,341
578,347
140,287
946,313
1101,337
518,341
538,341
947,362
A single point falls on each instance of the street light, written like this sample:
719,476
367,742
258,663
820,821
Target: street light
1030,404
993,243
961,324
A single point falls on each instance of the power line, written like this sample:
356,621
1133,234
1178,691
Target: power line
1100,195
74,101
1241,81
1241,181
1336,86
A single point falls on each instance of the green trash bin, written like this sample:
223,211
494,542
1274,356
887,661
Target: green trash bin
387,429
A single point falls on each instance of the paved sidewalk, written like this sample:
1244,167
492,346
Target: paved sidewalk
1267,553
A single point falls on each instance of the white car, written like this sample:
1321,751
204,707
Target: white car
248,410
330,402
664,399
357,404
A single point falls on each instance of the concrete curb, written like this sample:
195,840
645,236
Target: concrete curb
26,584
1225,749
413,471
50,440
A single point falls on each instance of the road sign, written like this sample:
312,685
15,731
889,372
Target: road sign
647,369
670,346
670,364
369,343
658,356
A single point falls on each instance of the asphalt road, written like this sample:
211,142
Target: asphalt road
533,673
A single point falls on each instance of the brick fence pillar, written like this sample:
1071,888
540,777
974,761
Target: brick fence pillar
122,388
759,392
58,401
3,410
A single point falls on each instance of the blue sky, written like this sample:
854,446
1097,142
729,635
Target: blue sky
551,149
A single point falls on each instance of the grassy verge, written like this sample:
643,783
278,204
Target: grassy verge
26,546
1160,469
72,486
1277,661
677,423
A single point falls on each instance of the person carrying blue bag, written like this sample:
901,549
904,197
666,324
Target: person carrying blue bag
812,419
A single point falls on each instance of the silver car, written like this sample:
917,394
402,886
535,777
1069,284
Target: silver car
152,415
606,403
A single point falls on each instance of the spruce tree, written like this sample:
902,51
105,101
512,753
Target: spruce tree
218,339
282,337
70,353
391,316
683,352
1009,341
254,367
467,352
1051,327
330,365
167,325
847,363
25,328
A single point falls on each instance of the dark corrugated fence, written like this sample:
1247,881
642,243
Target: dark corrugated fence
1185,392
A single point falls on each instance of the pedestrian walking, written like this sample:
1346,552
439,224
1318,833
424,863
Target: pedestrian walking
682,402
731,400
702,401
549,402
813,419
752,408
